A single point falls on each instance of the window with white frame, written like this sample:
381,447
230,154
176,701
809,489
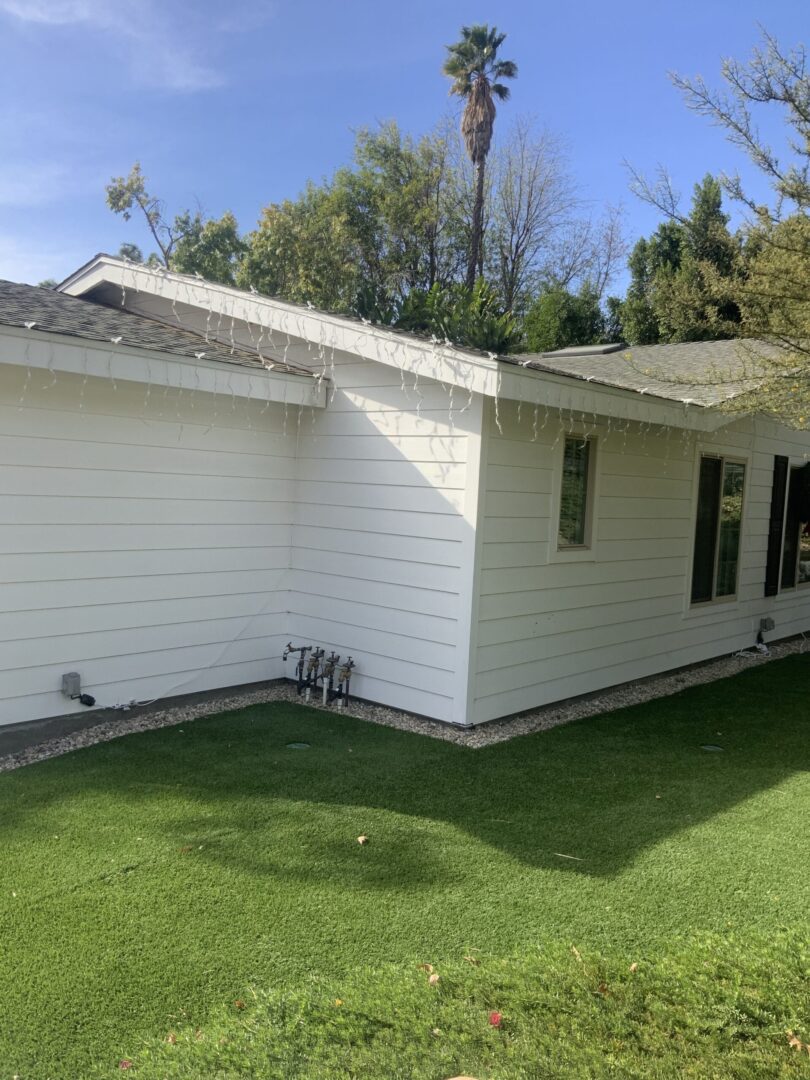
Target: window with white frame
718,526
576,492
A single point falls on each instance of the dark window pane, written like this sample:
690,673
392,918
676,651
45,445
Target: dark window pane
711,470
574,494
795,554
776,524
804,554
728,547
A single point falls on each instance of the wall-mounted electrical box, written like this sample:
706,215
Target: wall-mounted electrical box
71,684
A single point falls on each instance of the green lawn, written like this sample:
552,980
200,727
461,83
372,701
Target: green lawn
149,883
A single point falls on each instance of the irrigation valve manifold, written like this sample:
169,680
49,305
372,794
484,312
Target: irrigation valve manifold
315,671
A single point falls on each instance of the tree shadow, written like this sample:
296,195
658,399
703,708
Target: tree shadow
587,798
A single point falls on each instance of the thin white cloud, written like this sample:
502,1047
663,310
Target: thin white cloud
23,260
156,44
55,12
25,183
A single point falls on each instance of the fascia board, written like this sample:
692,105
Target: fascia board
549,390
472,372
122,363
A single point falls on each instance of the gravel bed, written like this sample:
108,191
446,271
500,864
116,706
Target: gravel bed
542,719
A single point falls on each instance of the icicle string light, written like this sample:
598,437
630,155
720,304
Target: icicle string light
280,333
498,424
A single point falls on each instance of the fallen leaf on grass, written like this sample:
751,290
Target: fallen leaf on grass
634,967
433,979
796,1043
171,1038
362,839
239,1004
472,960
338,1001
425,967
602,989
436,1032
125,1063
576,953
185,849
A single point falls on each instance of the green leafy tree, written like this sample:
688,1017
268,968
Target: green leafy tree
360,241
473,317
189,243
683,277
774,293
127,195
559,318
209,247
304,250
477,73
402,202
131,252
614,331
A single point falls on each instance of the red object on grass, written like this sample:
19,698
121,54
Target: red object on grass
125,1064
495,1019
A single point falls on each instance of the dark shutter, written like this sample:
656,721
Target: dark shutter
778,493
711,472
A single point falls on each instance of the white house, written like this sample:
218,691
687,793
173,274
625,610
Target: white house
192,475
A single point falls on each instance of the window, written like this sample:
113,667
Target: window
575,493
717,529
796,543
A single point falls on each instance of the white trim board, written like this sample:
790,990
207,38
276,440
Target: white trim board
122,363
473,372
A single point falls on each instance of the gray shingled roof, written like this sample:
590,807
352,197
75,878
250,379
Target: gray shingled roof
703,373
58,313
305,309
700,372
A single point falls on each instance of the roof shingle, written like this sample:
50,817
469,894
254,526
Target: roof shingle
698,372
34,308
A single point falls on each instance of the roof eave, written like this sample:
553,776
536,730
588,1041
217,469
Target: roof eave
74,355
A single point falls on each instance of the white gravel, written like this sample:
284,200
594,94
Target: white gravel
541,719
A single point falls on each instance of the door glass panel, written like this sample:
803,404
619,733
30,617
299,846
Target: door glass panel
793,526
728,547
804,555
706,529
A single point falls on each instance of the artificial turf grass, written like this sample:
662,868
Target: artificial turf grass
167,872
713,1008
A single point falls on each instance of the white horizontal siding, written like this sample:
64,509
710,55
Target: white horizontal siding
549,628
381,562
144,540
380,540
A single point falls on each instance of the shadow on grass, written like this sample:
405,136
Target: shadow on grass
600,790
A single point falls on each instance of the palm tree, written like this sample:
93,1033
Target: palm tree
476,72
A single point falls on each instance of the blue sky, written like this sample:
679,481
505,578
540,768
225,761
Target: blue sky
235,104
